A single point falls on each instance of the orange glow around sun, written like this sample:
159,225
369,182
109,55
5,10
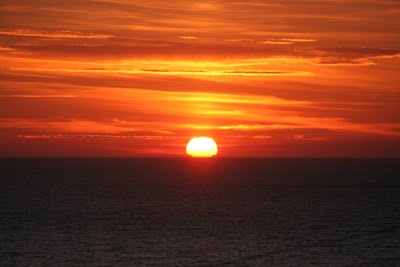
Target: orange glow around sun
202,147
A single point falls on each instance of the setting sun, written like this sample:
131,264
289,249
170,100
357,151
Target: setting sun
202,147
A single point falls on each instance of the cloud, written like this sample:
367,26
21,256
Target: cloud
276,42
76,126
53,34
301,124
287,41
299,40
188,37
160,50
98,136
357,56
39,96
124,129
178,72
192,51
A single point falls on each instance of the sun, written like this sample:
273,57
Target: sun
201,147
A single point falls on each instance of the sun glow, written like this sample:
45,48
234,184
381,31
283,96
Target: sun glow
202,147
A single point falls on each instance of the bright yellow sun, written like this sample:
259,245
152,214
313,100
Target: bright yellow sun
201,147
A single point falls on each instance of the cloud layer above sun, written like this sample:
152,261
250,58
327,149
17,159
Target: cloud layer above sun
263,78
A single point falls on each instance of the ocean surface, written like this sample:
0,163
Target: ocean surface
199,212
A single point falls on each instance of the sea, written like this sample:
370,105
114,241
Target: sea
199,212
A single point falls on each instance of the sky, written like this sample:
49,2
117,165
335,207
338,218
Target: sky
275,78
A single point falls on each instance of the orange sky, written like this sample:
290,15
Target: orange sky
263,78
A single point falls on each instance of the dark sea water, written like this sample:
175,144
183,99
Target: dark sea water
199,212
